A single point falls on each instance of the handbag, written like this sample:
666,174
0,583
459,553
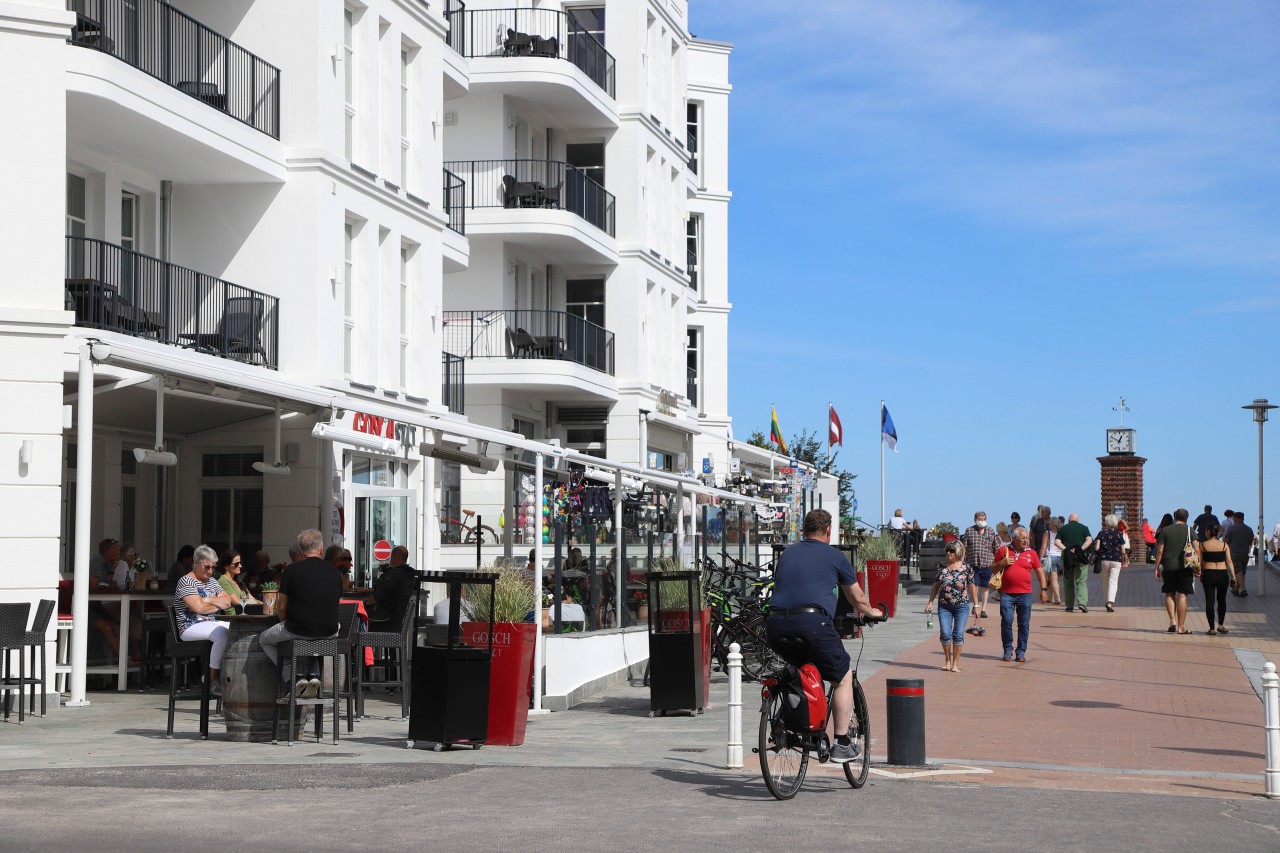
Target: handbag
997,575
1190,559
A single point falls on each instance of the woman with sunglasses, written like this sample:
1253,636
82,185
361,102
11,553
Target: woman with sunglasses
340,558
230,569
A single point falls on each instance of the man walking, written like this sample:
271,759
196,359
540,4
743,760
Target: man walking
1202,522
1239,539
980,543
1038,526
1018,562
1176,579
307,607
1073,540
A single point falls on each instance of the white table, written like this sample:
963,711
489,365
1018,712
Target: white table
126,598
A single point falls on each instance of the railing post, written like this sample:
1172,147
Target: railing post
733,756
1271,711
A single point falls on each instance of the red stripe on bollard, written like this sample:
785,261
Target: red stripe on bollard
905,691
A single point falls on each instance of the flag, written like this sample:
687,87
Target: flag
888,434
775,431
835,434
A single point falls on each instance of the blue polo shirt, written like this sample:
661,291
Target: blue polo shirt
810,572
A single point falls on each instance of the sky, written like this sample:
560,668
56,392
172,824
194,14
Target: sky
1000,218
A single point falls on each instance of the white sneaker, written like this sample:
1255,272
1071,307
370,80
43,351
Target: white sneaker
310,689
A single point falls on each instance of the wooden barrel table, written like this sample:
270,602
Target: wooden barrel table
250,681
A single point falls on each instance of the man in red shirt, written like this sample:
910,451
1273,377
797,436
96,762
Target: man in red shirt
1018,562
1149,536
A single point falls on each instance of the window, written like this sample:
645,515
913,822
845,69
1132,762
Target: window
376,471
691,363
406,253
590,18
589,157
128,241
348,298
585,298
405,63
587,439
349,81
693,248
231,501
450,502
660,460
693,123
76,207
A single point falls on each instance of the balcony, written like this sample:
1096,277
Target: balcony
118,290
541,34
536,185
453,388
526,334
179,51
455,198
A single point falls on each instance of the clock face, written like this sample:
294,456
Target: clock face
1119,441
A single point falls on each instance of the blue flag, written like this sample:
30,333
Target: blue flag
888,434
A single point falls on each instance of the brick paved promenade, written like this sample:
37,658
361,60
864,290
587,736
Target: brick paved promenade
1105,700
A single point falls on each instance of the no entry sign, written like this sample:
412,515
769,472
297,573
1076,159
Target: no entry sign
382,550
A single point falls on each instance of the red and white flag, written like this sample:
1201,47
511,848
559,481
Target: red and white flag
835,435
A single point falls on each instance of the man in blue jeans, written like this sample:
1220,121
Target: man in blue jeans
1018,562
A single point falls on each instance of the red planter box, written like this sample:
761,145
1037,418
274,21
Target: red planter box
510,676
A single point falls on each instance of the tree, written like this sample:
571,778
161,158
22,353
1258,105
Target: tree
807,447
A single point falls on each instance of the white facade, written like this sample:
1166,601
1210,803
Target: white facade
266,220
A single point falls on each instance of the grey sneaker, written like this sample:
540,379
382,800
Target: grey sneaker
842,754
313,689
301,687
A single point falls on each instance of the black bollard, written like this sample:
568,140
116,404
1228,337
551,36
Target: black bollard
904,708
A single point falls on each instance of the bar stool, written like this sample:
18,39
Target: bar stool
33,639
13,630
333,648
390,642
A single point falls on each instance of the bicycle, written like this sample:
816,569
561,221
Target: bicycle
455,532
783,747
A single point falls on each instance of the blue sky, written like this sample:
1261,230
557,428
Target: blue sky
1000,217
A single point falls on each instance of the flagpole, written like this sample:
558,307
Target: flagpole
830,406
882,463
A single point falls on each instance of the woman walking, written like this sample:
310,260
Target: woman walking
1217,573
1052,558
1114,556
951,589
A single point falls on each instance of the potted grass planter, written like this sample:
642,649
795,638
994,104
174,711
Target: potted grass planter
511,669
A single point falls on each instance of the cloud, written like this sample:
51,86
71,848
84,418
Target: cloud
1124,129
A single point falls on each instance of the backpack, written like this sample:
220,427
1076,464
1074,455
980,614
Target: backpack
804,703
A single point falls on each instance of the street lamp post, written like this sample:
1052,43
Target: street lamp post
1260,407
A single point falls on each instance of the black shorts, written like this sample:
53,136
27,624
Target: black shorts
1180,581
823,647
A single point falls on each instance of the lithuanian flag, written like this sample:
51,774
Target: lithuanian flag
775,431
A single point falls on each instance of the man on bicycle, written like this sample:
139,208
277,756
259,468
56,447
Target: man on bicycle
806,579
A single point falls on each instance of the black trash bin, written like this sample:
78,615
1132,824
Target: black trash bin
449,704
678,662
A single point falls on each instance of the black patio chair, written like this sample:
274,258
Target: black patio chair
392,643
181,652
13,631
239,331
33,639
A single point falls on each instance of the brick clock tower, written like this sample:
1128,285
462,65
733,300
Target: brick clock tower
1122,487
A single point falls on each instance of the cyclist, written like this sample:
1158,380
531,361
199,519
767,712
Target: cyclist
806,579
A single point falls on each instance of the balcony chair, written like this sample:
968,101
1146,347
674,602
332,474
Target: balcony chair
207,92
517,44
522,344
549,48
551,195
13,631
239,332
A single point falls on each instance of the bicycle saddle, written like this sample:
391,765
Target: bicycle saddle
791,649
468,512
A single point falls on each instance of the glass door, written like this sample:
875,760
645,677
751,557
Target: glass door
382,515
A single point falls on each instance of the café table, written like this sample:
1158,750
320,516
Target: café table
126,598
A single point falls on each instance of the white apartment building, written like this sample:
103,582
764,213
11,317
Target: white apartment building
266,241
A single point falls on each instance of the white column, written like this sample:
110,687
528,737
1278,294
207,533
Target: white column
84,508
620,575
1271,708
733,757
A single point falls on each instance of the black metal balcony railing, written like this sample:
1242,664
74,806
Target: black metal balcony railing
113,288
176,49
455,201
547,33
454,386
535,183
691,386
528,334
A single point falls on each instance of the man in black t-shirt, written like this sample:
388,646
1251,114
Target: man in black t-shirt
1239,539
392,592
307,607
1202,522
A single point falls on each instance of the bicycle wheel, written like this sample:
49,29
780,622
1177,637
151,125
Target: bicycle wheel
856,771
757,658
784,758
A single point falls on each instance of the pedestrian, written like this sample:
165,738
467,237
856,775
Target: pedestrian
1039,523
980,543
1074,540
1002,534
1217,571
1202,522
1018,562
1114,557
951,588
1149,537
1228,518
1014,520
307,607
1052,560
1239,540
1177,581
1165,521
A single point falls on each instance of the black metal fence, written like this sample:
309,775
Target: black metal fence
547,33
113,288
529,334
454,386
538,184
178,50
455,201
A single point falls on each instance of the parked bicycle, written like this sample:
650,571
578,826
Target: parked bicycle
795,723
455,532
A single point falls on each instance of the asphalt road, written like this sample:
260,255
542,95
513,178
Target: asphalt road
455,807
